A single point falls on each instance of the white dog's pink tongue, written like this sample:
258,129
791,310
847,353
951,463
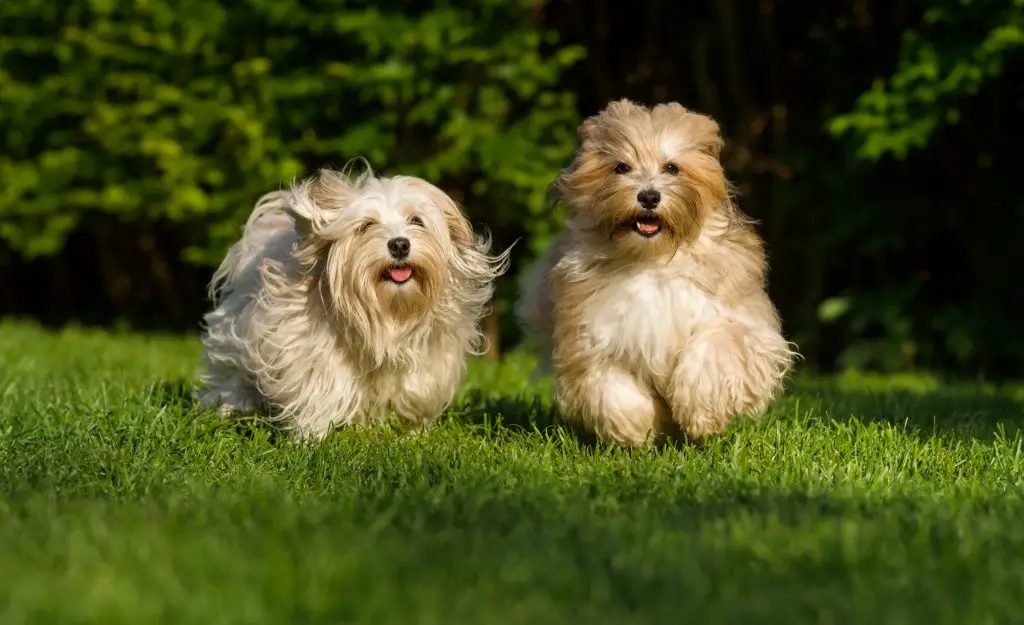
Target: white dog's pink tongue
400,274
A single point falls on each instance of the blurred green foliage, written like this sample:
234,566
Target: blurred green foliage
947,65
877,142
185,111
959,46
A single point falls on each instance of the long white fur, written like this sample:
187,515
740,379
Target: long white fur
304,329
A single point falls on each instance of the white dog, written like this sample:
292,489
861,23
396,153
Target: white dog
652,303
344,296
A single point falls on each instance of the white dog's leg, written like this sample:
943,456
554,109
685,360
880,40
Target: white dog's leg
226,386
611,402
726,368
230,392
425,392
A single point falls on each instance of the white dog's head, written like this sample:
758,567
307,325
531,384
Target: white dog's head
391,253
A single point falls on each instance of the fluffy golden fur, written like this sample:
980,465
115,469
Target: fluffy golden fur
343,297
656,318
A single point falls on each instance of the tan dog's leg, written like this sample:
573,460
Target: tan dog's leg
611,402
726,368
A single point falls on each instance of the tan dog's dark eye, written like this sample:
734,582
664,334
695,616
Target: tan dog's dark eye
415,220
622,168
363,227
671,169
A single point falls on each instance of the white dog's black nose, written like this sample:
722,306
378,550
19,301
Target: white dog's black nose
399,247
649,198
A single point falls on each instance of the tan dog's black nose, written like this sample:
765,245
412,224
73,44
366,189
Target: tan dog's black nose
649,198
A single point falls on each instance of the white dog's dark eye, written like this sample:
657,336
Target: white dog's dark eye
415,220
671,169
363,227
622,168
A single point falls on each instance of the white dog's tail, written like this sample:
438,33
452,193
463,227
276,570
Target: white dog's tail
268,218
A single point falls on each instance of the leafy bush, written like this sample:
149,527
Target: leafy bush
876,142
183,112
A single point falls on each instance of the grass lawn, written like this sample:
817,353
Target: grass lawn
857,500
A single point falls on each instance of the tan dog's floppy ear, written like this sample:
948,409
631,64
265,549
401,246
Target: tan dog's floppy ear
711,137
704,130
616,108
586,129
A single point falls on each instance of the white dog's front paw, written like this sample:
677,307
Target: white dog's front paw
421,426
232,405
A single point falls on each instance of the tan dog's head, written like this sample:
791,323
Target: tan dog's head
386,250
644,180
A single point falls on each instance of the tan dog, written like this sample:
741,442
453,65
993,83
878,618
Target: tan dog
653,300
344,297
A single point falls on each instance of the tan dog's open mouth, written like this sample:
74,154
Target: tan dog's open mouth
399,274
647,225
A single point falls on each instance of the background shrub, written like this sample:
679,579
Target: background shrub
874,140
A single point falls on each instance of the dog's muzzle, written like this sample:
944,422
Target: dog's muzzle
647,225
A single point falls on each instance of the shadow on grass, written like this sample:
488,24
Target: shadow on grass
960,411
514,413
964,412
494,417
178,395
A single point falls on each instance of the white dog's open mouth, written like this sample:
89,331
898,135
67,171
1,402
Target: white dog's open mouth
399,274
647,225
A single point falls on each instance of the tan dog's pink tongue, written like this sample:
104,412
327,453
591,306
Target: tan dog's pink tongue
647,227
401,274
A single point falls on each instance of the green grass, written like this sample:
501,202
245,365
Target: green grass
856,500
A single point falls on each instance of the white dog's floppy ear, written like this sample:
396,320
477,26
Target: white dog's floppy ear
472,265
474,260
459,228
317,199
301,209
